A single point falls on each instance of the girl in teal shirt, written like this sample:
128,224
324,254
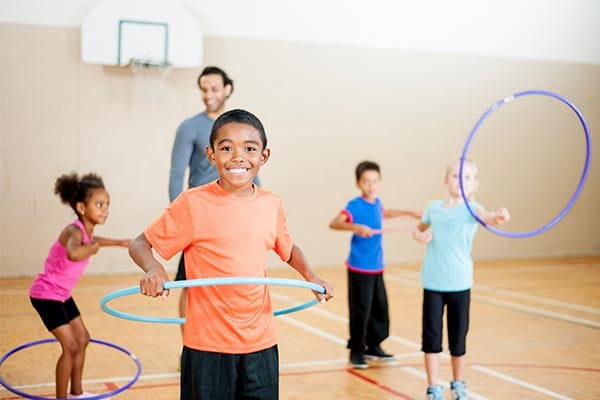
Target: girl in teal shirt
448,229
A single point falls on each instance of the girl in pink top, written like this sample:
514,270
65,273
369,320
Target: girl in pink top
50,292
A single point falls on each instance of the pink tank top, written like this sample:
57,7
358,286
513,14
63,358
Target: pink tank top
60,274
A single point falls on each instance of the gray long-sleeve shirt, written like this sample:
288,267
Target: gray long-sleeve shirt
191,139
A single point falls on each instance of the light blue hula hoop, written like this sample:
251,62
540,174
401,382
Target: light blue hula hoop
571,202
16,391
209,282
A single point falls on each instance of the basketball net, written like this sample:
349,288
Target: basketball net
150,86
149,69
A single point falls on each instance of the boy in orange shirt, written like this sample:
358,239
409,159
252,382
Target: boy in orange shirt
226,229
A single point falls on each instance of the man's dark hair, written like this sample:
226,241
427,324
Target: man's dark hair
211,70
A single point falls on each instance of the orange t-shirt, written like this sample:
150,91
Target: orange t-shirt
223,235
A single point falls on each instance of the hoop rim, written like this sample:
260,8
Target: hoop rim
97,341
148,63
582,179
209,282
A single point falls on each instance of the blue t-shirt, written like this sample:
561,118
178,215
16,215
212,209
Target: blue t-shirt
448,266
366,254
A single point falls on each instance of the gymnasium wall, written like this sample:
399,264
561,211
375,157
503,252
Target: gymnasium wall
325,107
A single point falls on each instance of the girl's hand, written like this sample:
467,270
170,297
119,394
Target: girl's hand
423,237
502,216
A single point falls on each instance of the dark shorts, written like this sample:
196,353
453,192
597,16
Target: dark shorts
217,376
55,313
180,270
457,305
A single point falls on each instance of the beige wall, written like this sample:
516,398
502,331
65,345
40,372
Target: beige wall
325,108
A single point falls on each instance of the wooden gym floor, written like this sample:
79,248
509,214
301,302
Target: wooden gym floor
535,334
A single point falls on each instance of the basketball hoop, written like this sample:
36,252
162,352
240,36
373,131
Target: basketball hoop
145,68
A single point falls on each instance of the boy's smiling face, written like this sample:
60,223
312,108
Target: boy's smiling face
237,153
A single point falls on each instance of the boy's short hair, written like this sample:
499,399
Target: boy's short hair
238,116
366,166
211,70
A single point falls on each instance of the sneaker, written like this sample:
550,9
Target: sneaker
459,390
378,353
83,395
358,361
435,392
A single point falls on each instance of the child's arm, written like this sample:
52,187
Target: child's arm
422,234
387,213
498,217
76,250
340,223
112,242
151,284
299,262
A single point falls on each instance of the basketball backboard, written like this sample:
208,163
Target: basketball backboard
160,32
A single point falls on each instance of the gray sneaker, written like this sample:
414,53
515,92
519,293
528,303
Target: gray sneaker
435,392
459,390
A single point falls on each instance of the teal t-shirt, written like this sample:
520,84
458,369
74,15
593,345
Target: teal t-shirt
448,266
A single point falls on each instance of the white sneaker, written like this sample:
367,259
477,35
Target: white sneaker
83,395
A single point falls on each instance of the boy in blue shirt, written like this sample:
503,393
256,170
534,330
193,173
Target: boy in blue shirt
367,297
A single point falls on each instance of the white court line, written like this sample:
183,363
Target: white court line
509,305
537,299
509,293
520,382
104,380
414,371
537,311
312,329
342,342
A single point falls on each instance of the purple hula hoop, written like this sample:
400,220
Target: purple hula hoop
571,202
100,396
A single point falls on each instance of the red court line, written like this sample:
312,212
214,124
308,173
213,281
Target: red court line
112,386
379,385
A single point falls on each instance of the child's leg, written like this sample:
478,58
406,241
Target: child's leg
82,337
378,326
458,326
58,317
360,295
433,311
73,338
432,367
458,366
64,365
